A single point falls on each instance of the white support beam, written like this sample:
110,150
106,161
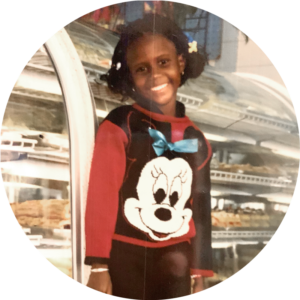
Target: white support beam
82,126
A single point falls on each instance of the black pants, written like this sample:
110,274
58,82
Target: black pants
150,273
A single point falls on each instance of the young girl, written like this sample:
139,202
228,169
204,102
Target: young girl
148,223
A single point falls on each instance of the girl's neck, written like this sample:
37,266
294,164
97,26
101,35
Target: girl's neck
168,109
179,108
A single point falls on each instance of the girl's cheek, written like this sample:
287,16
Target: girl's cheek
135,79
140,80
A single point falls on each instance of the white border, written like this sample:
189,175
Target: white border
4,246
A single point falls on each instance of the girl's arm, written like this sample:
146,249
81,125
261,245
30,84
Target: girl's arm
106,177
201,243
198,284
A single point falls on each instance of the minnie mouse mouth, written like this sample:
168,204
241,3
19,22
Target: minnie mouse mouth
160,235
157,234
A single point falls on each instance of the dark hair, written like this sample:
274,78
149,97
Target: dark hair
118,77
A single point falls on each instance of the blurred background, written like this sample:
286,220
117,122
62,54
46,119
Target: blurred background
239,102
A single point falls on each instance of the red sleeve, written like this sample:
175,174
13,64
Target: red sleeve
203,273
106,177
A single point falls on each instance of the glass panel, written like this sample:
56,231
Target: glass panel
248,119
94,45
35,160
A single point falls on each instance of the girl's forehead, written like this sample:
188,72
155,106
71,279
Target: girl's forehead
150,44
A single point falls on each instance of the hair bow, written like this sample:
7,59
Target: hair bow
161,145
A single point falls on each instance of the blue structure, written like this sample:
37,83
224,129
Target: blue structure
134,10
202,26
206,29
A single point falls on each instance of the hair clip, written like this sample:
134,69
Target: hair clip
118,66
193,47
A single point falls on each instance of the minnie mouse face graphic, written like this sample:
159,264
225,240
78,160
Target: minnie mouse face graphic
163,189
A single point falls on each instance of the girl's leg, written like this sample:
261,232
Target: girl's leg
170,272
127,270
150,274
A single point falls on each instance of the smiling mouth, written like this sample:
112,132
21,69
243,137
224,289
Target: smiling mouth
159,87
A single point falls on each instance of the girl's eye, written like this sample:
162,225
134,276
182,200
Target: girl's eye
164,62
141,69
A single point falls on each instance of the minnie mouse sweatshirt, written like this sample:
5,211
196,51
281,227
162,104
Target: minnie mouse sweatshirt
147,188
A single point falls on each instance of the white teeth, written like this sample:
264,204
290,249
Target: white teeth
157,88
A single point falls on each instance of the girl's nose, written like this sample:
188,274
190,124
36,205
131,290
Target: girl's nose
155,72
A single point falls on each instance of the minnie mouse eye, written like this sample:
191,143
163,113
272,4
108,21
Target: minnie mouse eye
173,198
159,196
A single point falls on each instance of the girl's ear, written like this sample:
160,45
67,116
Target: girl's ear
181,62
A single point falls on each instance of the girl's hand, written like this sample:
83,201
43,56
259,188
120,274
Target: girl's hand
198,285
100,281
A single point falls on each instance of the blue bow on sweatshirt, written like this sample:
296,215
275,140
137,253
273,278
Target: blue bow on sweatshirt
161,145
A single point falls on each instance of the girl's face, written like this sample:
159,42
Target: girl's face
155,68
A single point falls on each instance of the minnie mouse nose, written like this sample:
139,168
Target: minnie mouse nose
163,214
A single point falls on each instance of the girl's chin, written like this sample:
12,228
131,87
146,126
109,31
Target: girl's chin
160,97
162,100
